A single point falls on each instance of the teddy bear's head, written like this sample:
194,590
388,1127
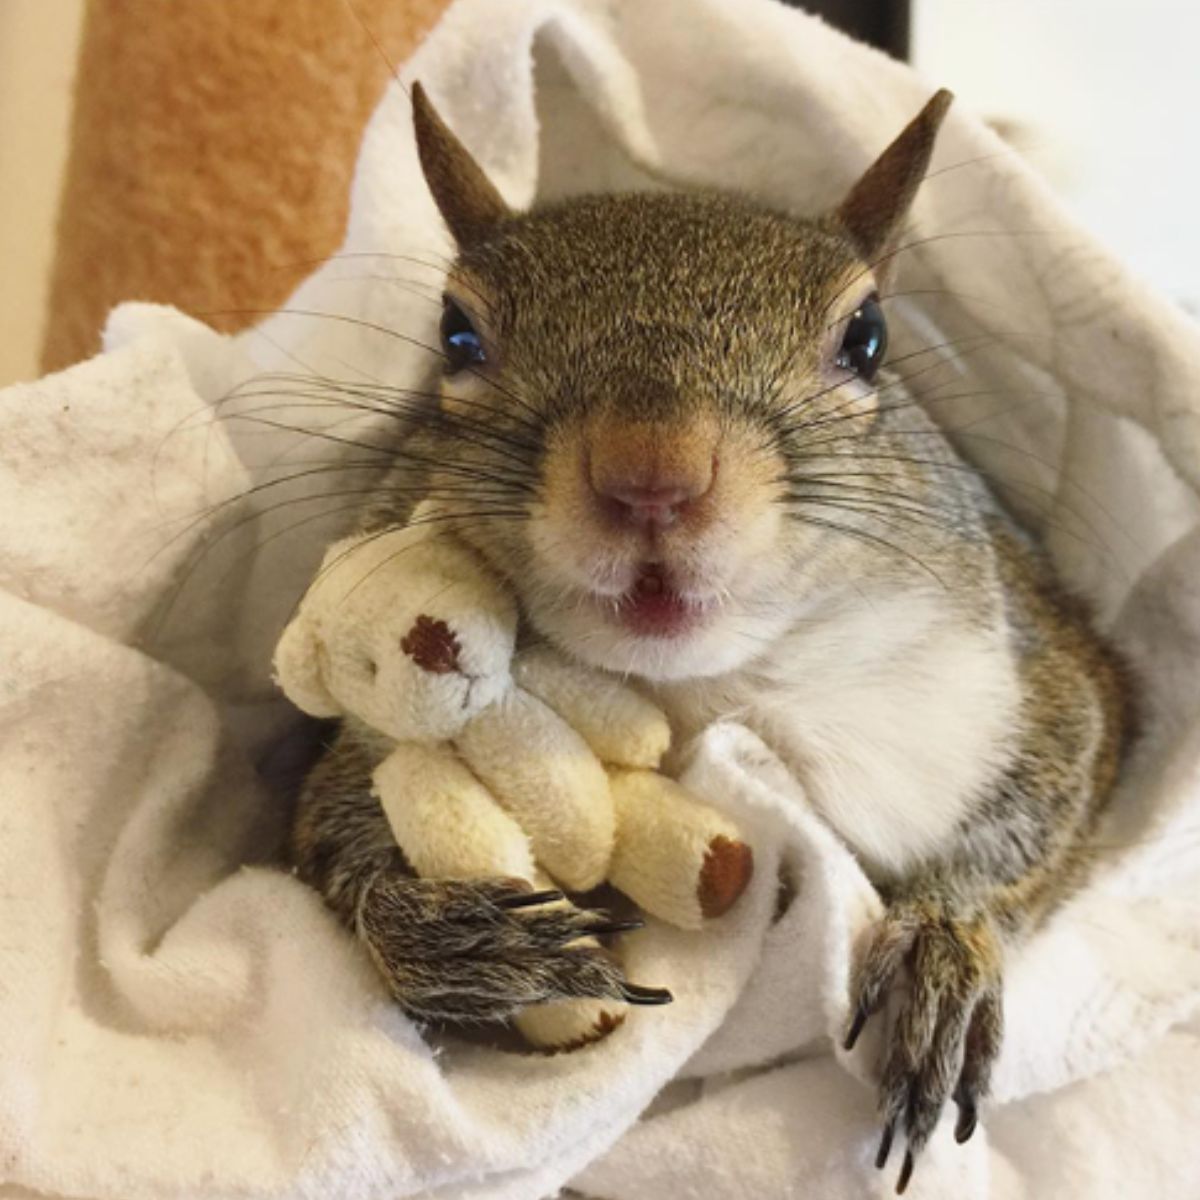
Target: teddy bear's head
406,631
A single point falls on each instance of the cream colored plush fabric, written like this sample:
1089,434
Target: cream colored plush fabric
176,1023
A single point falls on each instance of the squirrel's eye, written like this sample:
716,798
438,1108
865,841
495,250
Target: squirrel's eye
460,343
865,342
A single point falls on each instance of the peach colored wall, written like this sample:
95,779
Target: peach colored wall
38,45
212,147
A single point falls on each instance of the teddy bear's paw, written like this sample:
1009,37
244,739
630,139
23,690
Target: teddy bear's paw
725,874
676,858
572,1023
569,1024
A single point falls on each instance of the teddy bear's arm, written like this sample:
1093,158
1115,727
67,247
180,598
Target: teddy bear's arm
444,820
619,725
545,775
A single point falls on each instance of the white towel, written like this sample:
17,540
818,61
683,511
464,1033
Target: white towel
178,1022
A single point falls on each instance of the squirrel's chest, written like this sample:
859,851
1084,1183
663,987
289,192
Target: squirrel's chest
895,722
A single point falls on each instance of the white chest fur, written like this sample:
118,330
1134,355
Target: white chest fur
895,714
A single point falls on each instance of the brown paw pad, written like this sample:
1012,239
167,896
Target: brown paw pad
728,866
431,644
605,1023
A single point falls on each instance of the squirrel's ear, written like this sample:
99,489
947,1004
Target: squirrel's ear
465,197
877,204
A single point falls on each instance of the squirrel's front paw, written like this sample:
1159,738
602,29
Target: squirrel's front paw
482,951
947,1027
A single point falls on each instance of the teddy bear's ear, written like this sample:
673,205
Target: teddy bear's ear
299,669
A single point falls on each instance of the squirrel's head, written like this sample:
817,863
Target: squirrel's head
640,392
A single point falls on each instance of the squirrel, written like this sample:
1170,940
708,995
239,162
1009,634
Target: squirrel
665,418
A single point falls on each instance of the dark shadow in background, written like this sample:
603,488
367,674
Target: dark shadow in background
880,23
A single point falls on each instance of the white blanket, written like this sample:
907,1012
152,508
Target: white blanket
176,1021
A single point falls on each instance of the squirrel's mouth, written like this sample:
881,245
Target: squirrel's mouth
653,607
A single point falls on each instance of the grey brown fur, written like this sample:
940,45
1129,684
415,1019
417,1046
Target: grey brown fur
658,308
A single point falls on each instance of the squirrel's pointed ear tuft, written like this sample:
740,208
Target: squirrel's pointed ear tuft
874,211
465,197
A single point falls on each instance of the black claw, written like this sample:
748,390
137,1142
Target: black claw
628,925
634,993
529,899
905,1173
885,1145
968,1117
856,1027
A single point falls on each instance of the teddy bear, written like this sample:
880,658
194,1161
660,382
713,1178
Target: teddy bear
494,762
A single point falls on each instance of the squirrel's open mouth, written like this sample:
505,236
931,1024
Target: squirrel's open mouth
652,607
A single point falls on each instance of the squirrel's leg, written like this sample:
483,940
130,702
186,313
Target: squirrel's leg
946,929
449,825
674,857
448,950
1020,850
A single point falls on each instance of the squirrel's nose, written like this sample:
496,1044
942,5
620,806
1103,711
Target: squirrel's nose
650,484
645,505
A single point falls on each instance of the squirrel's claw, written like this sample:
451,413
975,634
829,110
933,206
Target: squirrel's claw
885,1146
530,899
856,1027
634,993
968,1117
607,925
885,1152
980,1052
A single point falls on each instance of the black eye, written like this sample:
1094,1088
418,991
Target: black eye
865,342
460,343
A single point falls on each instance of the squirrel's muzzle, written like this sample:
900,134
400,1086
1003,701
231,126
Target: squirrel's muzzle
650,475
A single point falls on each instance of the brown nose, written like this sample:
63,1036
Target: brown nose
648,478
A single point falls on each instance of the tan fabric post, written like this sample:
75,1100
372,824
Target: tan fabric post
212,148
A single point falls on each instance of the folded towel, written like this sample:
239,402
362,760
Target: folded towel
179,1018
